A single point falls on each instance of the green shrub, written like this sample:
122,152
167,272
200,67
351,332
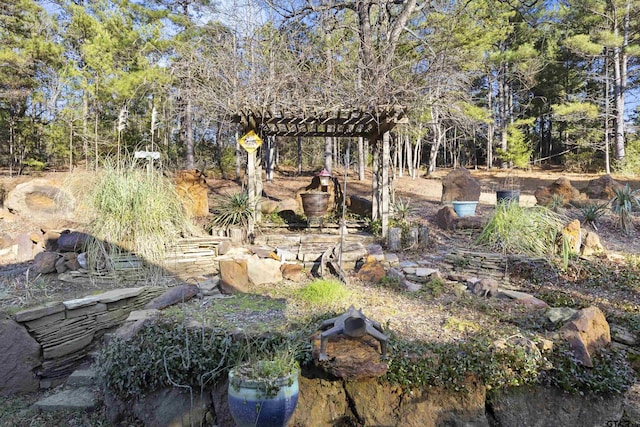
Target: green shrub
630,165
420,364
611,372
449,365
166,353
514,229
324,292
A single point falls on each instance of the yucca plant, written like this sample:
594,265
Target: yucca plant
235,209
623,204
592,213
518,230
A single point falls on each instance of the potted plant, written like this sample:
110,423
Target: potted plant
263,390
510,191
232,213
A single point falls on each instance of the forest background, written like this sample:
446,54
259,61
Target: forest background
484,82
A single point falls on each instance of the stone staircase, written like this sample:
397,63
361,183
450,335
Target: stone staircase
78,393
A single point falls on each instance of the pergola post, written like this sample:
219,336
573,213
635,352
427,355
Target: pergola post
375,179
385,193
251,189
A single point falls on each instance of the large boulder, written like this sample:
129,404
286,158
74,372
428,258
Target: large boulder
587,332
561,187
234,276
446,218
459,185
72,241
173,296
263,270
19,356
40,198
192,188
541,406
603,188
44,262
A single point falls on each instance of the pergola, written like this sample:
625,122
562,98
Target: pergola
374,124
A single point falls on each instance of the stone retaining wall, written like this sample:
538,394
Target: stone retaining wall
67,331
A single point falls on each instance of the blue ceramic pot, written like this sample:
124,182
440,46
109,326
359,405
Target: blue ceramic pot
256,403
465,208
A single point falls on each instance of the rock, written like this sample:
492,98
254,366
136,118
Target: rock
191,185
603,188
538,406
263,270
293,272
19,357
591,244
486,287
49,240
290,205
60,265
351,358
78,399
560,314
572,234
44,262
219,396
460,185
587,332
73,241
623,335
369,398
224,247
533,302
268,207
375,252
632,405
359,205
173,296
234,276
42,198
446,218
435,407
321,401
372,271
172,407
25,248
561,187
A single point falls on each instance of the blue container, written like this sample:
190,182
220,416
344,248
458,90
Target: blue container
254,404
465,208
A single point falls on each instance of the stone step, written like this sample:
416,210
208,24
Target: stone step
82,377
80,398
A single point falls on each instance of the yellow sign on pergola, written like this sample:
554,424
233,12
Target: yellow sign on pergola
250,141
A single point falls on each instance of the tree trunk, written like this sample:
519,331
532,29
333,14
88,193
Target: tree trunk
328,151
490,125
299,160
188,129
362,160
85,127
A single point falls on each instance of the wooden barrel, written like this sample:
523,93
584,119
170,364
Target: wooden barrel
314,204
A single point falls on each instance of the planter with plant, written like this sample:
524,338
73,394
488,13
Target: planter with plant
263,389
232,211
